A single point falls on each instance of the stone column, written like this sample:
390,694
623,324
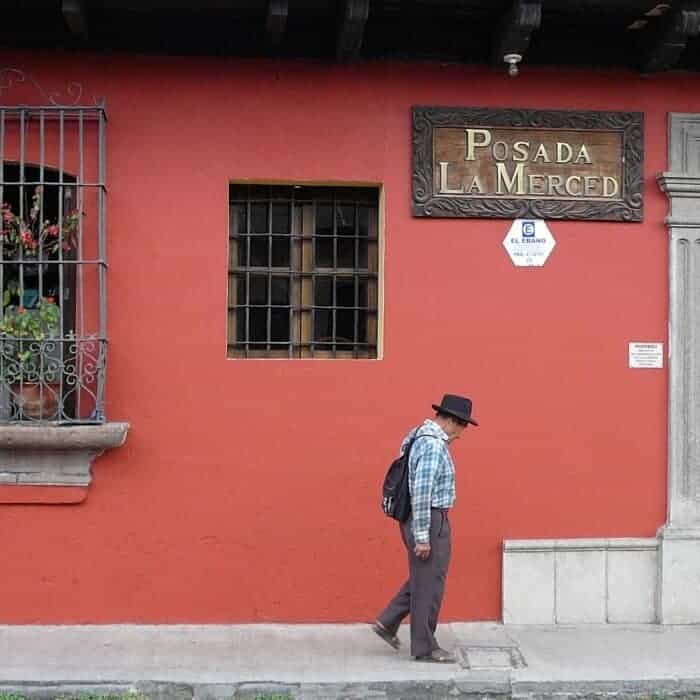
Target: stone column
679,539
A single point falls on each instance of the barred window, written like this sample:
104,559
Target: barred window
303,271
52,264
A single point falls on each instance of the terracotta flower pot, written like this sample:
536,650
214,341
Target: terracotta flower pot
35,400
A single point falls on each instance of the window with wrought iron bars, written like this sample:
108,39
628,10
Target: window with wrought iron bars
52,264
303,271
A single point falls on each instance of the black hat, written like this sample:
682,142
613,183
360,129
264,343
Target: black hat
457,406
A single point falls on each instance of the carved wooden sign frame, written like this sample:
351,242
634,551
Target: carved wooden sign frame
520,163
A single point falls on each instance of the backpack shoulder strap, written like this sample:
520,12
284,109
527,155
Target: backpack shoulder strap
407,451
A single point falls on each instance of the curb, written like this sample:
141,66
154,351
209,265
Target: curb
493,687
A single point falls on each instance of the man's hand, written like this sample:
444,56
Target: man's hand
422,551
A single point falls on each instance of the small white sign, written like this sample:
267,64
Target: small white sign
529,242
646,355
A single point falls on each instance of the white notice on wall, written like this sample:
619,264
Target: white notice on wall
646,355
529,242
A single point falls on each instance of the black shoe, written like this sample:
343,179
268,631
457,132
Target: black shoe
438,656
391,639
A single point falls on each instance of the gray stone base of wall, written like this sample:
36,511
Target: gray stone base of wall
580,581
594,581
678,599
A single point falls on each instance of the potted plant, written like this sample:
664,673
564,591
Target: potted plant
30,357
30,327
27,237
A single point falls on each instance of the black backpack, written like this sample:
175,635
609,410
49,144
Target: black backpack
396,497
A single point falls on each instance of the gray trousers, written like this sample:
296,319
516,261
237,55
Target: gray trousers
422,594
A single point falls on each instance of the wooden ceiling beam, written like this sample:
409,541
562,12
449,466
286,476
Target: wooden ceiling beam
277,13
75,16
663,45
351,29
515,29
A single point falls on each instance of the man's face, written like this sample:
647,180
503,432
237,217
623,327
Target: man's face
457,427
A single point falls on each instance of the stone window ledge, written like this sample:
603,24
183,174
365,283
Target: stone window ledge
56,456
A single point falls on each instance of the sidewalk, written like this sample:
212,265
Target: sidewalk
347,661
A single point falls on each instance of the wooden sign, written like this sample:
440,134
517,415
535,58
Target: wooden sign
521,163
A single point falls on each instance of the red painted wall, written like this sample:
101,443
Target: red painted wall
248,490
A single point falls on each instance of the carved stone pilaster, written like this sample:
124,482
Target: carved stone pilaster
679,575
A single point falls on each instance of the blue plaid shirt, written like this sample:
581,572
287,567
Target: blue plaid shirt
431,476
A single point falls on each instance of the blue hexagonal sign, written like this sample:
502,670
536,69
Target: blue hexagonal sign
529,242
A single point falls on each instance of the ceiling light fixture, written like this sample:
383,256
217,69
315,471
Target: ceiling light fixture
512,59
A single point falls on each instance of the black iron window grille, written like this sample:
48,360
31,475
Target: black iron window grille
52,264
303,272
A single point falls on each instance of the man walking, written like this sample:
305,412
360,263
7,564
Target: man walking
426,533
